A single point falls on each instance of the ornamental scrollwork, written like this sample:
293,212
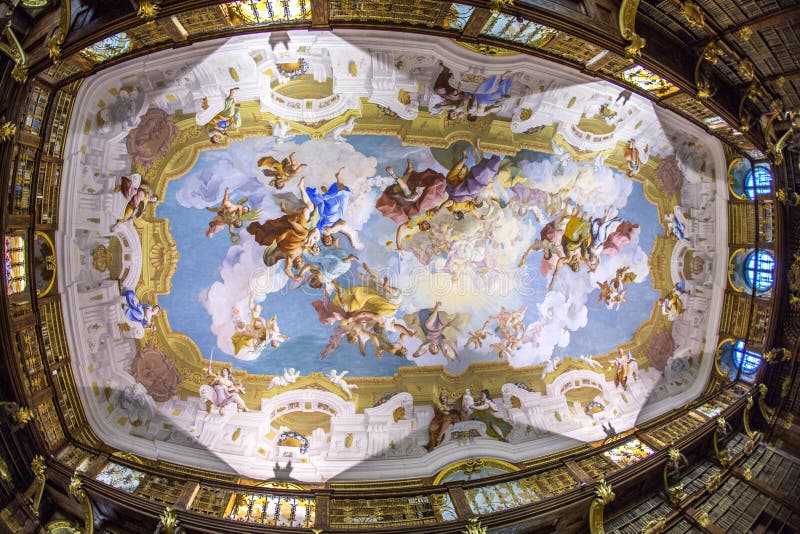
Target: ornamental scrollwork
604,495
627,24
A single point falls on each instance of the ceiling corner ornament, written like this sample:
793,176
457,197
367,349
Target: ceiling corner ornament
473,526
711,53
753,93
747,70
780,82
60,33
148,10
693,15
745,33
604,495
496,6
627,23
7,130
169,523
10,46
77,491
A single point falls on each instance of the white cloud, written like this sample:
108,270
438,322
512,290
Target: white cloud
241,271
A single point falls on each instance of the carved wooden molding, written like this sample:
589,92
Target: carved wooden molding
77,491
711,53
605,495
10,46
627,24
60,34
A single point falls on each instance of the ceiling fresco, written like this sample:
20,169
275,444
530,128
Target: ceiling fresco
372,257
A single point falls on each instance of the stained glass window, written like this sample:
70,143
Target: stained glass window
748,360
108,48
648,81
758,182
517,30
457,16
759,270
271,11
15,266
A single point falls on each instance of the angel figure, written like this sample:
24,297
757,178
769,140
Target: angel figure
612,291
412,194
325,267
280,131
338,133
288,236
331,203
362,313
675,224
338,379
437,330
477,337
466,183
281,171
231,215
138,196
222,390
256,334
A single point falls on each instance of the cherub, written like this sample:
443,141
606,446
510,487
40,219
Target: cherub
230,215
258,332
477,337
289,376
281,171
612,291
338,379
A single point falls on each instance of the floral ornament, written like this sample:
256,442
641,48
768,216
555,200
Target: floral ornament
152,137
148,9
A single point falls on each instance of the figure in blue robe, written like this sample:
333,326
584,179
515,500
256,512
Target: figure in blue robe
331,203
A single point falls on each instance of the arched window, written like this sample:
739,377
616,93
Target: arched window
758,181
759,269
748,360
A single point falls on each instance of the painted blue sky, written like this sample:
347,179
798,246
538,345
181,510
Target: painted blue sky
213,275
